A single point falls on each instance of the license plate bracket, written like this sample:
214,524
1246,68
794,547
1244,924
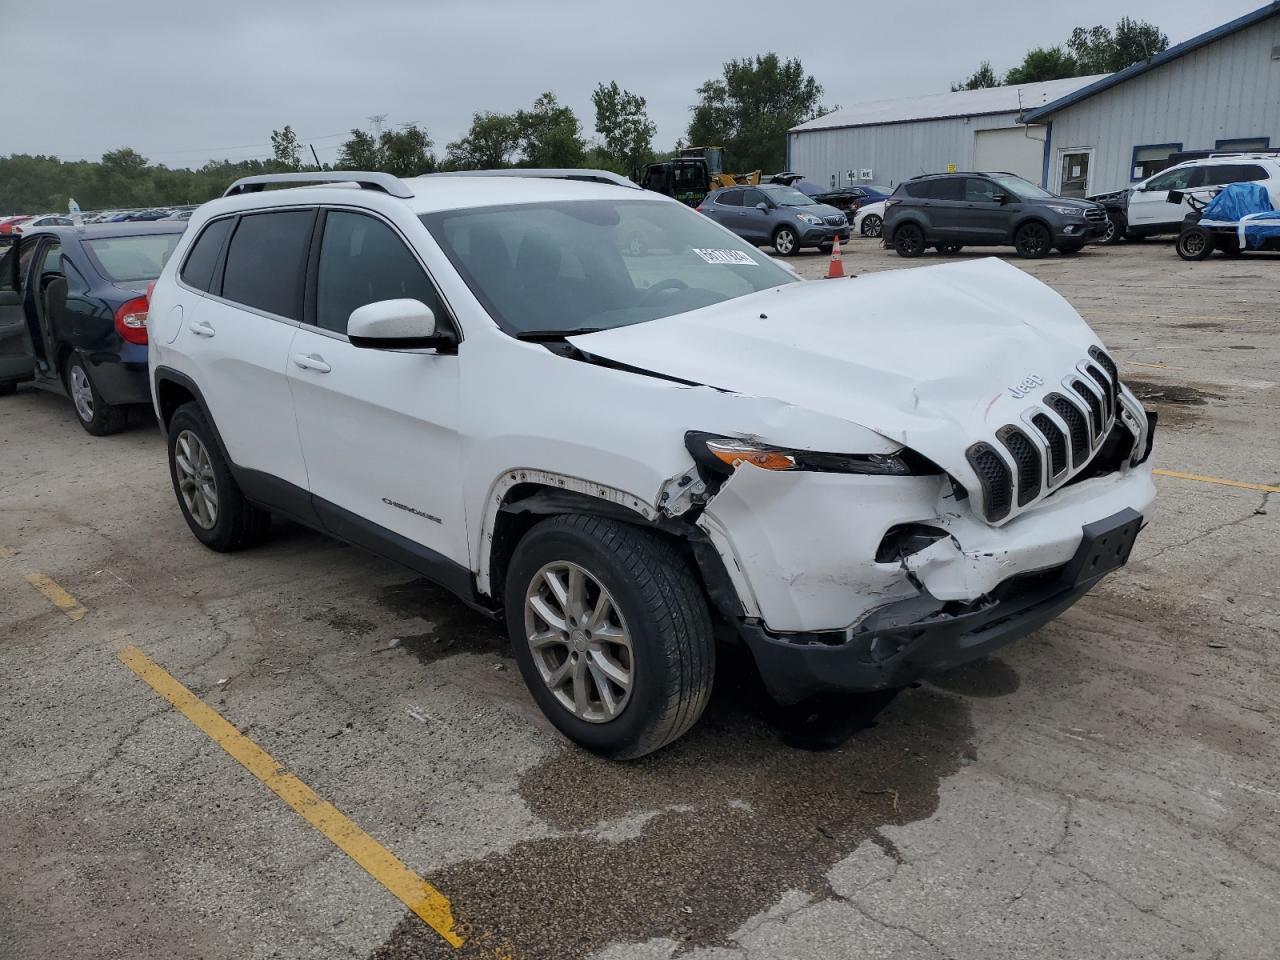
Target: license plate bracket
1105,546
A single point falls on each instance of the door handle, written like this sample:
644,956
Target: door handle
201,329
311,361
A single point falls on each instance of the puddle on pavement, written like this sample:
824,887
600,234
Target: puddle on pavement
714,829
453,627
1172,400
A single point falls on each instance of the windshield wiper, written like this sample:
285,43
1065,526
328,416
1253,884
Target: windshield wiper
537,336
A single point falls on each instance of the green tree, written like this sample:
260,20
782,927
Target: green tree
750,107
1099,50
1043,63
550,135
286,150
624,126
491,143
359,153
980,79
406,152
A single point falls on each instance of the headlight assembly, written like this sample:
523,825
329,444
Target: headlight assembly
722,455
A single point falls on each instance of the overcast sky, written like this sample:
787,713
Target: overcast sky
186,82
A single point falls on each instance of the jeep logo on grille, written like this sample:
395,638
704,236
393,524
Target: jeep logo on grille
1026,386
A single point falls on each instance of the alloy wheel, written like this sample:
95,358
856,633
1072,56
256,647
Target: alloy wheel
81,393
871,226
784,241
196,482
580,644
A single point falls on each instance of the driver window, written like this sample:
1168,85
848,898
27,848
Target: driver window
23,252
977,190
753,197
1179,179
362,260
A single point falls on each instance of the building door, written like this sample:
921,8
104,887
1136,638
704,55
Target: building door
1073,175
1018,150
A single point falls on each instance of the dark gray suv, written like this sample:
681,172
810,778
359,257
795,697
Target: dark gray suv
777,215
952,210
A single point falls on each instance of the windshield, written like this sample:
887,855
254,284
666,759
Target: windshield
130,259
787,197
579,265
1024,189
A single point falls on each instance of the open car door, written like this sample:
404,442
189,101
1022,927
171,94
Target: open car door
17,360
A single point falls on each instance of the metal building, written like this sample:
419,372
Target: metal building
1218,91
888,141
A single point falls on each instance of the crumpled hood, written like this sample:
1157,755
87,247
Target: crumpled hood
929,357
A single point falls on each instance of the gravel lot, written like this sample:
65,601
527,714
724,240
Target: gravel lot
1106,788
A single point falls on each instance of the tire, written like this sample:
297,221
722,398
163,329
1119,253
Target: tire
1195,243
949,248
655,601
1033,240
96,415
233,523
785,242
872,225
1070,248
908,240
8,388
1117,227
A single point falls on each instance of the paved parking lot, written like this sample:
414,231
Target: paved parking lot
1108,787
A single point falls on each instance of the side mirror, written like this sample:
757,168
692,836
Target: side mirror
1174,196
1000,198
396,325
762,207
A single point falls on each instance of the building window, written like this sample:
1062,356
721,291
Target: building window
1151,158
1243,144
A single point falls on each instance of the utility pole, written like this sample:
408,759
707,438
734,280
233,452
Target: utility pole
376,120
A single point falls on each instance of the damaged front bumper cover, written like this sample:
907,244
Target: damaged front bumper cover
893,649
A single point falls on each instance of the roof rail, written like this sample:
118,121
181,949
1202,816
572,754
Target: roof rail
551,173
383,182
1269,154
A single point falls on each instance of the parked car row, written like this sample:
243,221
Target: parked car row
21,223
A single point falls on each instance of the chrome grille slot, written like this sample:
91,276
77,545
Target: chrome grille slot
1057,444
1076,426
1027,459
1108,396
994,477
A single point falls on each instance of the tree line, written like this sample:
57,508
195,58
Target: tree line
747,109
1086,52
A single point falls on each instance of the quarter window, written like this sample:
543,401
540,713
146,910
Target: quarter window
362,260
267,260
198,270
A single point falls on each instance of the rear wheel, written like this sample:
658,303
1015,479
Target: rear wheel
1195,243
96,415
908,240
216,511
1033,240
871,225
786,242
611,633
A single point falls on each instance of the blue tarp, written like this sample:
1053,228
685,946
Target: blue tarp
1246,206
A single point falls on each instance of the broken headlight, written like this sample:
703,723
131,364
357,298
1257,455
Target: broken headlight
721,455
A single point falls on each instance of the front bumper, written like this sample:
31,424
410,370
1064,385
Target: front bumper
1087,231
813,236
896,648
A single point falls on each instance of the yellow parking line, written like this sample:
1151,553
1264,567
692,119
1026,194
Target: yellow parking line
416,893
57,596
1218,480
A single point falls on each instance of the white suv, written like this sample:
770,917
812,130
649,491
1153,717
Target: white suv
1145,209
629,457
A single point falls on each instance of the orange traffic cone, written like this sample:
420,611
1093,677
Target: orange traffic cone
836,269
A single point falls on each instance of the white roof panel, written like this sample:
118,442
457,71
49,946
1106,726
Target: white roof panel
961,103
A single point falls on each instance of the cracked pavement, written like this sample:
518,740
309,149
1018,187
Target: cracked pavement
1106,788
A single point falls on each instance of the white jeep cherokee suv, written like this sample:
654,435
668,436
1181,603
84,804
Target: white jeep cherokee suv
627,457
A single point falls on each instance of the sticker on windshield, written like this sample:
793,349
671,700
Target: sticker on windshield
724,256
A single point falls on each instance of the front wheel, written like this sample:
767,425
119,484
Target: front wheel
96,415
908,240
785,241
871,225
1195,243
1117,227
611,633
216,511
1033,241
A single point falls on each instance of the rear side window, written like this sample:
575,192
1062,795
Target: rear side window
730,198
131,259
267,260
198,270
1235,173
362,260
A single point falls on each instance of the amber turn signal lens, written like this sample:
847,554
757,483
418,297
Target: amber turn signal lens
733,454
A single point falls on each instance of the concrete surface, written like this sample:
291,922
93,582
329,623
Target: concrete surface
1106,788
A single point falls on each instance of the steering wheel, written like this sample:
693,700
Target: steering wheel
662,286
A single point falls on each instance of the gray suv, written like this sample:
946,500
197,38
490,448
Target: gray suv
777,215
952,210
